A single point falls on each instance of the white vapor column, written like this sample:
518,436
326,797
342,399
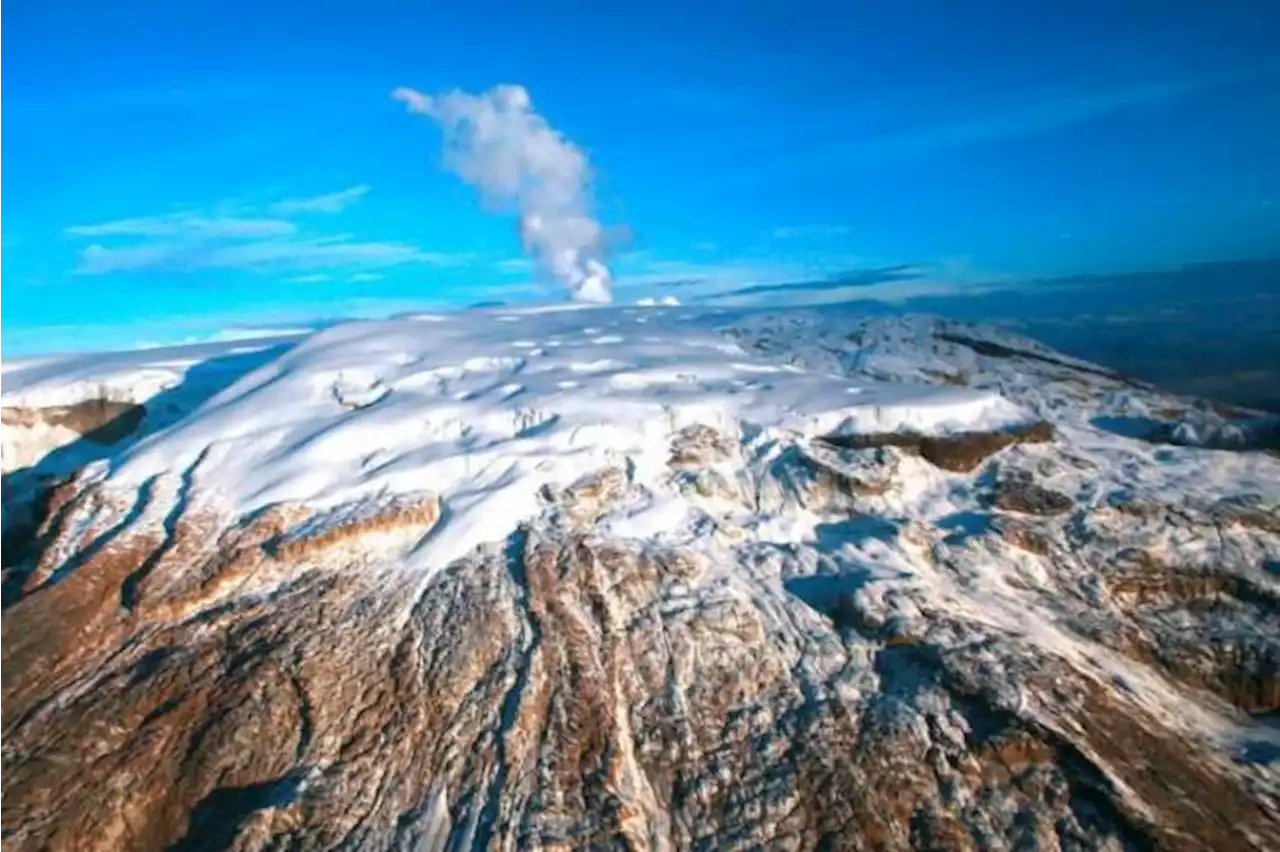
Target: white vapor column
497,142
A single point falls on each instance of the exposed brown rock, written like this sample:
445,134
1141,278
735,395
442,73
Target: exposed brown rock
1014,751
1193,806
421,514
959,453
554,695
1146,580
1134,589
698,446
1023,536
1245,674
582,502
1248,513
1020,493
819,477
1240,667
102,421
864,475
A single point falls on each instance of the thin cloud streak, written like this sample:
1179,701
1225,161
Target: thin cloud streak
187,224
859,278
516,264
279,255
804,232
333,202
192,240
698,280
885,293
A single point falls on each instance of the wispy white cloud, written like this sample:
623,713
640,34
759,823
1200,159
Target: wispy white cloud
888,292
310,278
813,281
516,264
365,277
640,275
243,239
325,252
290,255
189,225
333,202
100,260
806,232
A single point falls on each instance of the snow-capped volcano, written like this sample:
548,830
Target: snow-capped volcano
661,576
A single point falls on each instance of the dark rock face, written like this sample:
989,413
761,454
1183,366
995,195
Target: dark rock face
1230,654
101,421
959,453
1020,493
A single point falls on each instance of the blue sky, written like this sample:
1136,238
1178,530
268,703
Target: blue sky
177,168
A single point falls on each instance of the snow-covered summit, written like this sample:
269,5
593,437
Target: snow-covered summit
483,409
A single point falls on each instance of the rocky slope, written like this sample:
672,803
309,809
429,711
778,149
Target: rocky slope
641,578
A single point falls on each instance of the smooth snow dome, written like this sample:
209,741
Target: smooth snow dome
483,409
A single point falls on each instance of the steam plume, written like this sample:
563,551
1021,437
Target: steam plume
498,143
